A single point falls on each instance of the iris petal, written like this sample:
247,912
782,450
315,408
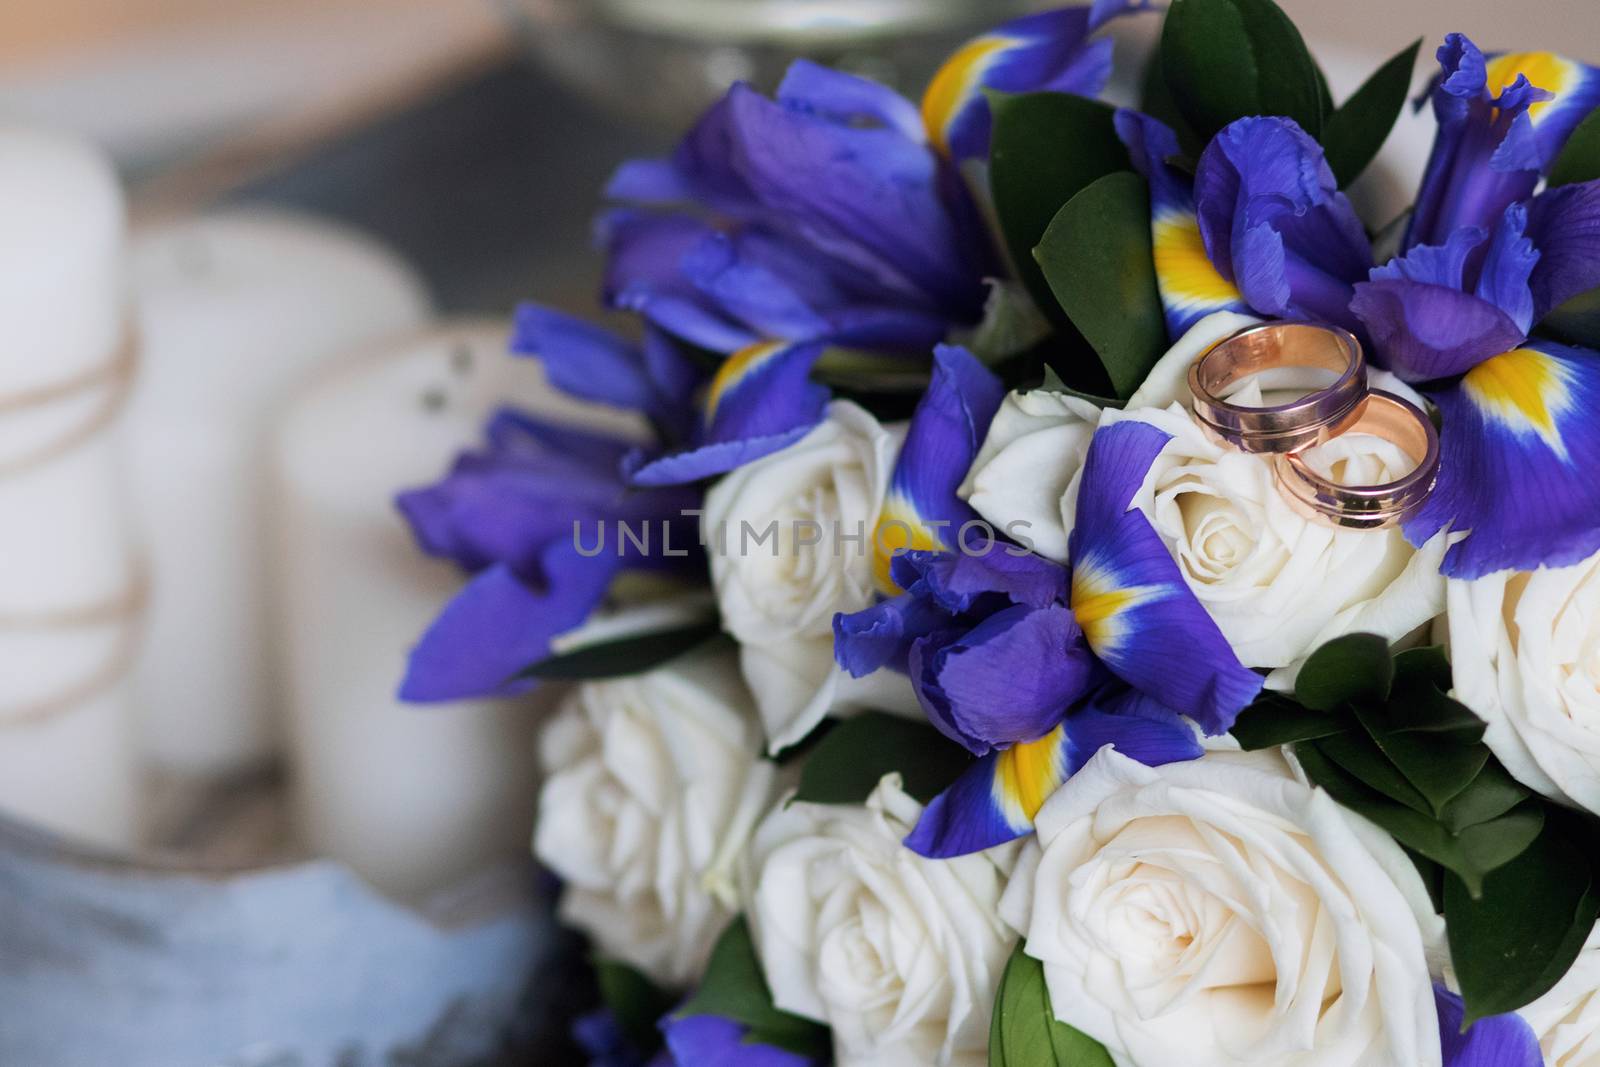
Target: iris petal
1486,155
644,274
1130,599
845,98
922,511
1564,225
956,580
881,636
760,401
1275,223
1048,51
1518,450
1191,287
1498,1041
1429,317
996,799
1575,87
499,623
1007,679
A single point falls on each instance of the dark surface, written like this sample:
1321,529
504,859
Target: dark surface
489,188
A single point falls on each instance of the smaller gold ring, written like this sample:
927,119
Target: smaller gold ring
1365,507
1319,416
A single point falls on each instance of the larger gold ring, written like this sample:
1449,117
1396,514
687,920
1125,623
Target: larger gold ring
1318,416
1364,507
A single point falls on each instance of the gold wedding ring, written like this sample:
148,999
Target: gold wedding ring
1286,431
1365,507
1319,416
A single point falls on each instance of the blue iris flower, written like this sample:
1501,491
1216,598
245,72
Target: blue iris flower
1262,227
1034,666
509,513
1483,262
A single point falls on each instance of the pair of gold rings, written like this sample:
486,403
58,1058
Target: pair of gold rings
1286,431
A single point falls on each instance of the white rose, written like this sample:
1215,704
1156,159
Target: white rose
1222,913
1025,474
778,594
1279,585
654,784
1525,654
1567,1018
1034,447
900,955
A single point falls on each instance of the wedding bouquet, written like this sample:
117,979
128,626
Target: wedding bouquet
973,658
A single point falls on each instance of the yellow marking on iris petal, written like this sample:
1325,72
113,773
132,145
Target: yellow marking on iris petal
1025,775
955,83
1099,601
1544,70
736,368
1182,267
899,530
1525,389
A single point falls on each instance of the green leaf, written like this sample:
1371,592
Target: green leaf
1155,100
1024,1031
1274,719
1577,321
1031,175
1012,324
1472,853
1096,256
1438,767
847,764
1432,877
1355,667
1492,793
1423,666
625,655
1514,942
1579,161
1225,59
1355,132
1051,383
735,988
635,1001
1356,753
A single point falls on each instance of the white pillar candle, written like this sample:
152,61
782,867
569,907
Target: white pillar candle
232,308
68,587
413,797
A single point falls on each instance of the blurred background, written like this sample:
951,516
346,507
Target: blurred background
223,842
424,121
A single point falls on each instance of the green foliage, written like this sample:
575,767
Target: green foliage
1024,1031
1225,59
1512,872
1513,941
1096,256
846,765
1355,667
735,988
1156,100
635,1001
1353,134
1579,160
633,654
1045,148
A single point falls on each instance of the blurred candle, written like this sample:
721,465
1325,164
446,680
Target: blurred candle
69,593
413,797
232,308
